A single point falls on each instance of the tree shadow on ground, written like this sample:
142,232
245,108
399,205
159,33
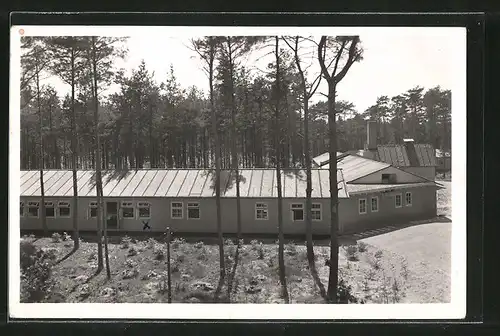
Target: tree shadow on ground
70,253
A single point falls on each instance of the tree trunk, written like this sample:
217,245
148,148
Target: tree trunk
334,219
234,141
281,238
100,212
74,157
41,162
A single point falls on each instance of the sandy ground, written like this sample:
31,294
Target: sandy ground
427,250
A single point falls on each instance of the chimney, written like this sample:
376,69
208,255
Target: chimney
371,135
411,152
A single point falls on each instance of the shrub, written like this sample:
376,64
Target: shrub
344,293
255,244
177,242
375,263
378,254
291,249
158,253
35,273
351,252
260,253
125,242
362,247
404,269
56,237
132,252
199,245
150,243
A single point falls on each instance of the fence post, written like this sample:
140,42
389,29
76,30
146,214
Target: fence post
169,283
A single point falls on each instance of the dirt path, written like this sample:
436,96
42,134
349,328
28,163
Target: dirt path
427,249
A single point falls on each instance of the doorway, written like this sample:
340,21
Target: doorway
112,215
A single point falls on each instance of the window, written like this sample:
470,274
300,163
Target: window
64,209
389,178
261,211
408,199
362,206
93,210
374,204
21,208
176,210
297,212
128,210
316,212
398,201
33,209
144,210
50,211
193,210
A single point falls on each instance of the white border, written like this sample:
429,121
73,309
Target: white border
456,309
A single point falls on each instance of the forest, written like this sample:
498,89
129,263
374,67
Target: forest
163,125
242,119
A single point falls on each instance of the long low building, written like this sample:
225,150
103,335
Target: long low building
371,194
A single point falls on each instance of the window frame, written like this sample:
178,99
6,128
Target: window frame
92,205
371,204
264,208
49,204
292,211
401,201
406,199
359,206
126,205
189,205
143,205
22,209
31,204
172,210
64,205
316,209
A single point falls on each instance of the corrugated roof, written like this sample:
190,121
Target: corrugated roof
397,155
354,167
180,183
323,159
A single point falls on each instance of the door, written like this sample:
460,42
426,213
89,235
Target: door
112,215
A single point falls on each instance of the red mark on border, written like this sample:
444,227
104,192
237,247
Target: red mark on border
21,31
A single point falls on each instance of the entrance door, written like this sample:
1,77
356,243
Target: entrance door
112,215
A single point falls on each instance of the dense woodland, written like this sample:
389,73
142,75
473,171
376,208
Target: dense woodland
157,125
247,119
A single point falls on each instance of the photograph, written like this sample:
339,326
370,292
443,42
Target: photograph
278,172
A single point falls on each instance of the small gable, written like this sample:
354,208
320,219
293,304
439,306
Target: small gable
389,175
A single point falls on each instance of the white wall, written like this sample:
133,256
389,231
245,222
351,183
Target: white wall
402,176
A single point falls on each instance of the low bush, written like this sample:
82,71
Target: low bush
177,242
199,245
362,247
351,253
56,237
158,253
291,249
125,242
345,294
36,281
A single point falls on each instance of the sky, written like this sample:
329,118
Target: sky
394,61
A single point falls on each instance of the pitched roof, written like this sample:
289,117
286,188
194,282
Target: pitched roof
354,166
180,183
398,155
323,159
